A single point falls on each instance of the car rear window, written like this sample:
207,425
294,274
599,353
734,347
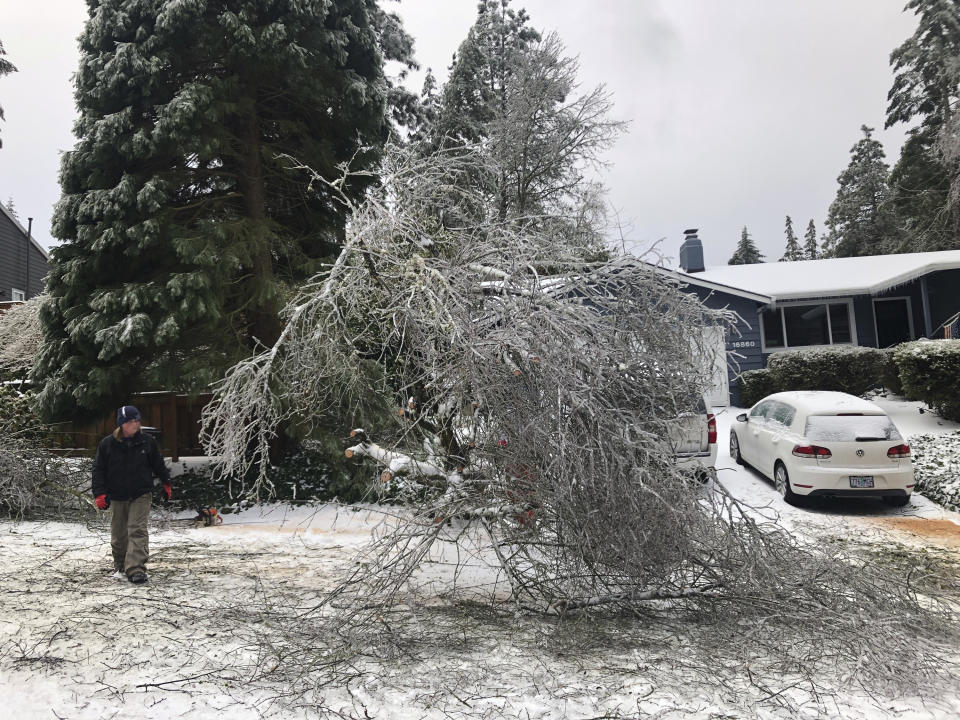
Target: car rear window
851,428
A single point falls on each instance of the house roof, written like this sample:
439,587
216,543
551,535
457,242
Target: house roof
23,230
700,280
825,278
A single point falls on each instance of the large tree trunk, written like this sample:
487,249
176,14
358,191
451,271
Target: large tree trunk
263,322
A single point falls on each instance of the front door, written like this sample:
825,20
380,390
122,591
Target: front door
894,324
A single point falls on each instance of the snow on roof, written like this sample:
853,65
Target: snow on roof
827,278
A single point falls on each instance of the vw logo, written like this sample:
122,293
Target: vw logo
859,453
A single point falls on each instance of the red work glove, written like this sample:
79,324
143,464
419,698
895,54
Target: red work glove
168,489
102,502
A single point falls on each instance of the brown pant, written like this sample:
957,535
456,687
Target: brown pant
128,533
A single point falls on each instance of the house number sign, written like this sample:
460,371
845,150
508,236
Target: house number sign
743,344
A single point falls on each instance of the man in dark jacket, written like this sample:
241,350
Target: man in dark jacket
123,473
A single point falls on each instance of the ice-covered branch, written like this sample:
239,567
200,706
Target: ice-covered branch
536,386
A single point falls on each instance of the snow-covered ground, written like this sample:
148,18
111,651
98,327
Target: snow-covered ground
919,522
206,637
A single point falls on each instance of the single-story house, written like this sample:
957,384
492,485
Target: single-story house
23,261
876,301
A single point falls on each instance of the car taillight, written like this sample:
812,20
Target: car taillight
899,451
811,451
711,429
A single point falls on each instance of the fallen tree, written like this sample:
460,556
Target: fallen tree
529,383
534,397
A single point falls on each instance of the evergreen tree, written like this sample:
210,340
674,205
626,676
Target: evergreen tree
476,91
949,148
792,251
6,67
926,81
512,93
826,245
926,90
810,242
746,252
425,129
183,219
920,188
860,219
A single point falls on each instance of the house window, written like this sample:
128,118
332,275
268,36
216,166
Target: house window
807,324
17,295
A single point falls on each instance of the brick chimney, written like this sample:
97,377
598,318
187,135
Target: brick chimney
691,252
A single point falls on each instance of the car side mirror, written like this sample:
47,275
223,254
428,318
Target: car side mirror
742,417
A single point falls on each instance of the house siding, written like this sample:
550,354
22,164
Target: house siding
744,343
13,262
743,339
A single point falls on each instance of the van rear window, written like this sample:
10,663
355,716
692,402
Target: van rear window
851,428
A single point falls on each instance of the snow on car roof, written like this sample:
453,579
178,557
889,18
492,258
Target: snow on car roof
826,402
830,277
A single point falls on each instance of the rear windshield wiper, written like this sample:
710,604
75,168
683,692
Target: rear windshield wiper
869,439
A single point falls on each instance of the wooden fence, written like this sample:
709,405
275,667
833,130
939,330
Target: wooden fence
175,416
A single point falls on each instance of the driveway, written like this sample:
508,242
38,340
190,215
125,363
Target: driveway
921,522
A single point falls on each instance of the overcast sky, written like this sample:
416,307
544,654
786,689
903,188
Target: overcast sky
741,111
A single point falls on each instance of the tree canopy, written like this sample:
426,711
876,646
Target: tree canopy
183,226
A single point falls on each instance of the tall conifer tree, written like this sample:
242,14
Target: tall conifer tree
183,225
860,218
746,252
810,242
792,250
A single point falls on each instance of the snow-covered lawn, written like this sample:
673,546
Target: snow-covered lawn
226,627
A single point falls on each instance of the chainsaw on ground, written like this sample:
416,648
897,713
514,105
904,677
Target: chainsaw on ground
208,516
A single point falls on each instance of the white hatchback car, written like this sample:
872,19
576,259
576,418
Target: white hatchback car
814,443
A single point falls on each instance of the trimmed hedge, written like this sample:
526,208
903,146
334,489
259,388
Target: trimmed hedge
930,372
844,368
890,374
754,386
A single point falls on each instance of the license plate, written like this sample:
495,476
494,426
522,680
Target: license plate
861,481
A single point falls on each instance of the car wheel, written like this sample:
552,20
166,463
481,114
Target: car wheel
896,500
735,449
782,482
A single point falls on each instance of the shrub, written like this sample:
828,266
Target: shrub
843,368
34,482
930,372
18,417
308,474
936,459
889,373
754,386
